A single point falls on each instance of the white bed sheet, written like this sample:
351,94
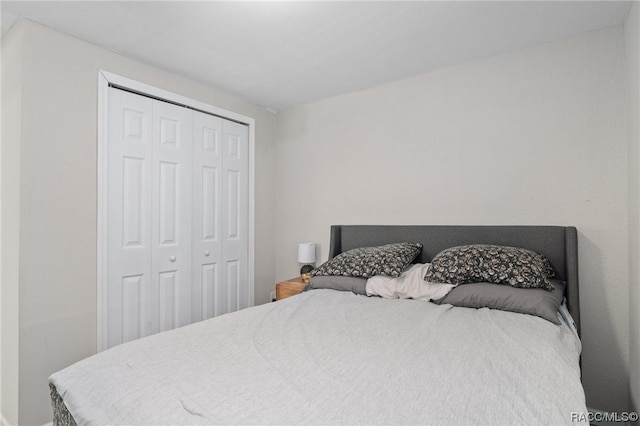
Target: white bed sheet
329,357
409,285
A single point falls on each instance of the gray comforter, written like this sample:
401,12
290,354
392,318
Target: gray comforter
329,357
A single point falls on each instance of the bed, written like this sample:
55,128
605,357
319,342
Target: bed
336,357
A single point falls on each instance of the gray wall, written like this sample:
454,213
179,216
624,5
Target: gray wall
536,136
9,222
56,187
632,50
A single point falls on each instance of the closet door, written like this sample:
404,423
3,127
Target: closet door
149,217
208,289
220,216
171,216
177,218
129,189
235,219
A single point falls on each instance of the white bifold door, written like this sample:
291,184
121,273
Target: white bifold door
177,216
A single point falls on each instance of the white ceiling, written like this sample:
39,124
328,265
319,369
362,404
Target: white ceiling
282,54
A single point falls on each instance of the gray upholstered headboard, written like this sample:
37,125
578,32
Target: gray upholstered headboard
558,243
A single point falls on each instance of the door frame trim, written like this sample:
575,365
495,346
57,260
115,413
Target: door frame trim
106,79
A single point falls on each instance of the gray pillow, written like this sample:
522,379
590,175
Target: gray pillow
474,263
532,301
338,282
365,262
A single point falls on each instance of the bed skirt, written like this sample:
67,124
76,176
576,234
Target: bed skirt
61,415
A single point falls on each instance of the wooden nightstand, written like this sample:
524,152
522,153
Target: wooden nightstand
289,287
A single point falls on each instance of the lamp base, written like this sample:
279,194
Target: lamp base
305,272
306,269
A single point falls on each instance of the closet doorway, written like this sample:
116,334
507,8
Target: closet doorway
175,213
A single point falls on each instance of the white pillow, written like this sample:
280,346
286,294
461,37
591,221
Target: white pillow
409,285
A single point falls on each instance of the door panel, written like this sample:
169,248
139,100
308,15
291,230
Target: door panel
210,203
132,200
128,216
235,214
132,308
167,295
209,282
171,220
207,214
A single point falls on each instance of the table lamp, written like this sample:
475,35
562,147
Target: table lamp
306,256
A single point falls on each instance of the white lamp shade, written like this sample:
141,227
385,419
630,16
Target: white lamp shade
306,253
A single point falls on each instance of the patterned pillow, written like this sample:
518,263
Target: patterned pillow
517,267
365,262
